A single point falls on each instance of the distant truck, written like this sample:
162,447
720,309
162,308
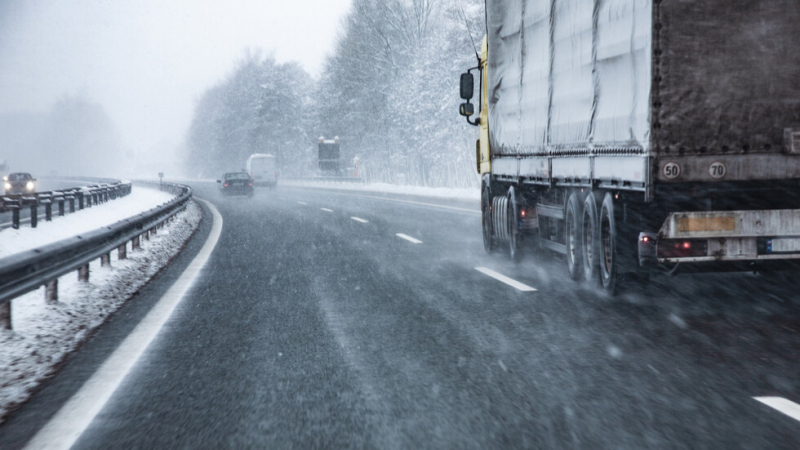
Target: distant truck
634,136
262,169
329,156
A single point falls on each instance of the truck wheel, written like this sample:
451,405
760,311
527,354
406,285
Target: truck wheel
486,222
513,228
589,240
608,245
572,233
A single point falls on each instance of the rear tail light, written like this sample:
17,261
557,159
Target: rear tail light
225,185
250,184
675,248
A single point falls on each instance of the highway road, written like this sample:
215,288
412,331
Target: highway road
331,319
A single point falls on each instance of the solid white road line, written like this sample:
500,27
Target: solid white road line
359,219
326,209
303,203
787,407
408,238
64,429
505,279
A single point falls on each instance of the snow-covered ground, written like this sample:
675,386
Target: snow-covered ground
456,193
44,333
89,219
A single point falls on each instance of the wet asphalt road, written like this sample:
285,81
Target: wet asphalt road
311,329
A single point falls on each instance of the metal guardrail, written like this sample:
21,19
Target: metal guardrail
27,271
84,196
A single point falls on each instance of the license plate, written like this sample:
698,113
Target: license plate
783,245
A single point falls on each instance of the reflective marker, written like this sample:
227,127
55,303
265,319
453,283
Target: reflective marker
500,277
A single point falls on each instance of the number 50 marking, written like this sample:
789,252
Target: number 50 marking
671,170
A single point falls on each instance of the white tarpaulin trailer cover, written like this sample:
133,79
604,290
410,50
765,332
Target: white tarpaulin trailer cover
572,77
567,73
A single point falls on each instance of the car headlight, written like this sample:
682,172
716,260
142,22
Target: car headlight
30,185
7,186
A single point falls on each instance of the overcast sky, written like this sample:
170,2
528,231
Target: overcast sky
148,61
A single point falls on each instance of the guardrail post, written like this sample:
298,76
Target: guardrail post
83,273
59,198
122,251
14,206
47,201
80,201
105,260
5,315
51,291
146,235
135,243
154,230
34,215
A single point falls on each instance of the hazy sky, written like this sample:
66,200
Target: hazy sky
148,61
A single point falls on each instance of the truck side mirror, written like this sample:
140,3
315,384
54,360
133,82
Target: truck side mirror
466,109
467,86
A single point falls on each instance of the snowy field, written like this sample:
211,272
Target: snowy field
43,333
422,191
82,221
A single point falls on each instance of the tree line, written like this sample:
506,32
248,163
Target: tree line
389,91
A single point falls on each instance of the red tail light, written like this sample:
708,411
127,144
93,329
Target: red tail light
249,184
682,249
225,185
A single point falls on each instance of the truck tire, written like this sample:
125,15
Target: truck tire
590,235
513,227
486,222
572,233
609,261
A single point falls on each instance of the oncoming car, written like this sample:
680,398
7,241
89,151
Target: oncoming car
236,183
19,183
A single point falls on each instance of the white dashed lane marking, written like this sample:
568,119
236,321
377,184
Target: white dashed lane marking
302,203
500,277
787,407
326,209
408,238
358,219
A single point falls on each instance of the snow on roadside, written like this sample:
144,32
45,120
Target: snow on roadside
82,221
44,334
438,192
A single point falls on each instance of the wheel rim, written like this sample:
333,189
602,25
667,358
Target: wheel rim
487,223
571,236
588,248
605,231
512,234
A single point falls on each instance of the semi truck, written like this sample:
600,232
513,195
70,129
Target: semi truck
640,136
329,156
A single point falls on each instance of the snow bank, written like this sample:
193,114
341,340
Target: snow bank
438,192
82,221
44,334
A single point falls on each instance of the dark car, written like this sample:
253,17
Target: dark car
19,183
236,183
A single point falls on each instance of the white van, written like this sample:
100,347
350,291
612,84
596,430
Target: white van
262,169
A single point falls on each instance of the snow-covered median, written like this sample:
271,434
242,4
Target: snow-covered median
437,192
82,221
44,333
